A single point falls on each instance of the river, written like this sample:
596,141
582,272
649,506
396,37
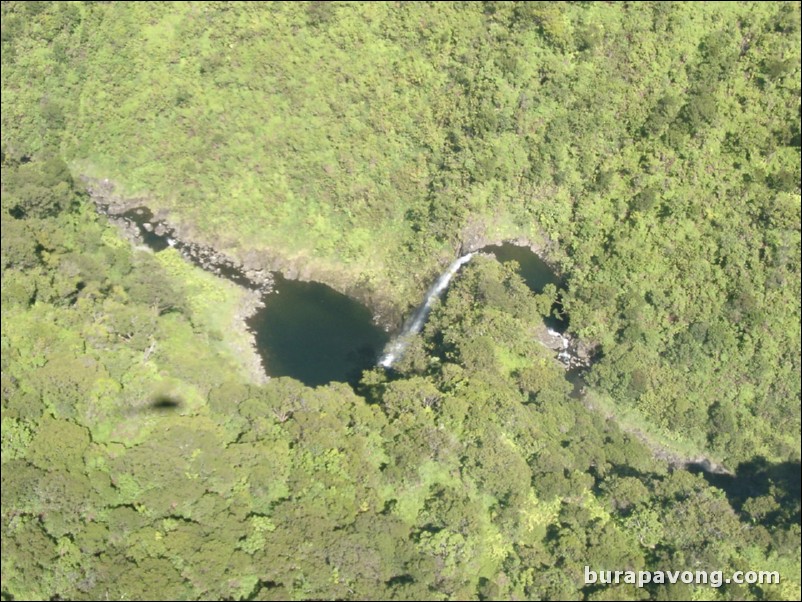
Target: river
310,332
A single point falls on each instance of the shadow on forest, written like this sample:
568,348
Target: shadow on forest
159,404
164,403
758,478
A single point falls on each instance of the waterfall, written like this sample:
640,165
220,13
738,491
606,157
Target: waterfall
414,324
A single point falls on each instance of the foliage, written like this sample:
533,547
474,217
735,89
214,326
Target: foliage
652,150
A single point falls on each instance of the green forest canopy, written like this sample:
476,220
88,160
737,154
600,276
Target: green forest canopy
652,150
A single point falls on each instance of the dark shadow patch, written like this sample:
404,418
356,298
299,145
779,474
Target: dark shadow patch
164,403
776,484
405,579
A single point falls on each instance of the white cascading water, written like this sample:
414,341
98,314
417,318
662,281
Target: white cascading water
414,324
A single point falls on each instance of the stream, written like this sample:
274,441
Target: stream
311,332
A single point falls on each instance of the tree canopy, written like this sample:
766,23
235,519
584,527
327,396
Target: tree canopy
650,150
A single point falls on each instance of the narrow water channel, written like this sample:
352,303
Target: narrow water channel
310,332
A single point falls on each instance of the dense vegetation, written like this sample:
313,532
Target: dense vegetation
651,149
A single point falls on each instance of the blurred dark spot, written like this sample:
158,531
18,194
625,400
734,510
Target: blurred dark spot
165,403
760,478
400,580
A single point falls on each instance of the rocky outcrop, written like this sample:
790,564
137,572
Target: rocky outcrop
257,267
571,352
138,224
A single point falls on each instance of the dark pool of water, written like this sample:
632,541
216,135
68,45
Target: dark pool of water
536,274
141,216
311,332
534,271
